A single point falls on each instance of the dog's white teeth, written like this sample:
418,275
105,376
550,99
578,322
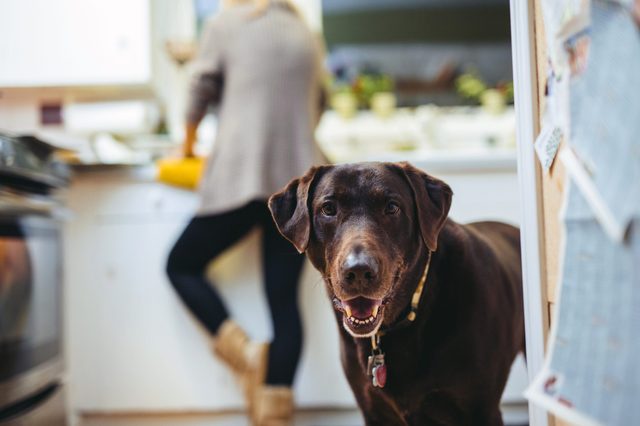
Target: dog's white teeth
347,310
354,320
375,311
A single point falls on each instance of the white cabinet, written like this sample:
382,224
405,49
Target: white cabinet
131,344
75,43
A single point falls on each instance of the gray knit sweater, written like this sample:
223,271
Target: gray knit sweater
265,73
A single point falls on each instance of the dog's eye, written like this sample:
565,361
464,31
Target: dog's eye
392,208
329,208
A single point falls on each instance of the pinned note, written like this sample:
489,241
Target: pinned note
547,144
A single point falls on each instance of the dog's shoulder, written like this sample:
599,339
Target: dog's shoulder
500,237
481,244
496,228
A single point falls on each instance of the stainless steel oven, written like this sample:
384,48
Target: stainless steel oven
31,336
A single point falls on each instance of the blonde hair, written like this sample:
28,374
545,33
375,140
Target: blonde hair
260,6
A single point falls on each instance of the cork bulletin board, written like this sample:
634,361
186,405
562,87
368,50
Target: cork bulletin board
586,75
551,187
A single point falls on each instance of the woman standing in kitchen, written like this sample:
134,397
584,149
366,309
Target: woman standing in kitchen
262,65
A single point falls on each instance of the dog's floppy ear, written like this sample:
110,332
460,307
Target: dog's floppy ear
290,210
433,200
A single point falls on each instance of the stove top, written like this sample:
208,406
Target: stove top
28,164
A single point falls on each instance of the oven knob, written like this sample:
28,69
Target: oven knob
7,154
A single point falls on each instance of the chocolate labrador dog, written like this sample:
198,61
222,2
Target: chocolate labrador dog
430,311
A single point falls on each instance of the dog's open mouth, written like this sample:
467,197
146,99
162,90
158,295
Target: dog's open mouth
361,316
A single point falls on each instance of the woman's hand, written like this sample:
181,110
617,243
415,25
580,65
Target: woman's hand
187,150
189,140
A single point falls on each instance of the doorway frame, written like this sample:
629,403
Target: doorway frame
523,50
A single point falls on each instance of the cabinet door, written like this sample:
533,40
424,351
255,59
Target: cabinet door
133,346
144,200
75,42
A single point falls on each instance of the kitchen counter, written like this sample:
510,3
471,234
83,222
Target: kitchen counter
443,139
132,347
462,161
437,139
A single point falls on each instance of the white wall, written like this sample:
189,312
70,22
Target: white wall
19,113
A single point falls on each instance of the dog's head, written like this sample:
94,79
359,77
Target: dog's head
364,227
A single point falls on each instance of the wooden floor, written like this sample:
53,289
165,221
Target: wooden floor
514,415
302,418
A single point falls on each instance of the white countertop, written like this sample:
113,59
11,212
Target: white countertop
460,139
437,139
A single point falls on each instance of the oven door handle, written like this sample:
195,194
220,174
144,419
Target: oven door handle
29,404
16,205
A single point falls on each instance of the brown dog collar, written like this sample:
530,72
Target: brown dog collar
376,366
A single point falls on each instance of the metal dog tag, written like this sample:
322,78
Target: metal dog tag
380,376
377,369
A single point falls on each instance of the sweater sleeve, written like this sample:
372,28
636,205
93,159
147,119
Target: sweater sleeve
207,78
321,76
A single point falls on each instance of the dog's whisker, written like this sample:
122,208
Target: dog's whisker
318,281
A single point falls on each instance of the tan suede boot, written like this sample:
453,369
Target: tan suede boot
246,358
273,406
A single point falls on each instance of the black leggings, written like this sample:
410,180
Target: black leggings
208,236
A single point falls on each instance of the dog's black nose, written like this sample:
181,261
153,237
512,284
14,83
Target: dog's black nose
359,267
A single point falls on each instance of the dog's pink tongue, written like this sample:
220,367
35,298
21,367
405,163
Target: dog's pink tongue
362,307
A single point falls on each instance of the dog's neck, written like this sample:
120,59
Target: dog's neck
412,287
408,314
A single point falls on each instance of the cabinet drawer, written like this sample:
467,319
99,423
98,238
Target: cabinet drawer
145,199
118,194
